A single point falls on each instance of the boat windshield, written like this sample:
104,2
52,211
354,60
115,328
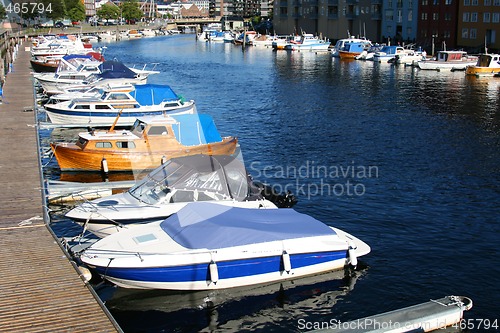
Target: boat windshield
194,178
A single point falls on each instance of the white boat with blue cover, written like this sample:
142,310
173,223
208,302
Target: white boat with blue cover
207,246
147,99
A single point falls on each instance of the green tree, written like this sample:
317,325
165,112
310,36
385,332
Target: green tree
108,11
131,10
77,13
3,13
57,9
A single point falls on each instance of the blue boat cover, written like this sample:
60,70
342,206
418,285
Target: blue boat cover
112,69
76,56
195,129
203,225
153,94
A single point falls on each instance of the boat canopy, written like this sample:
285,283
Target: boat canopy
153,94
111,69
76,56
195,129
203,225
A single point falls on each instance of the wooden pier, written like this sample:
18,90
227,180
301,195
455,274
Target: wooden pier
41,288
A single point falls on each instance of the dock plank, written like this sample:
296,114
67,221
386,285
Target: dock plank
41,289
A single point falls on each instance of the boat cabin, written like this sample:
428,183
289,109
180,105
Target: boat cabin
451,56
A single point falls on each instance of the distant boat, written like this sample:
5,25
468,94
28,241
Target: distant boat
448,61
206,246
488,64
308,42
150,142
387,53
147,99
341,44
50,64
410,57
351,50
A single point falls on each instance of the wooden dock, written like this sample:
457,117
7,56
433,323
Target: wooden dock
41,289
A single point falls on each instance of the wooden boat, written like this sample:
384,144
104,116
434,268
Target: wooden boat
488,64
149,142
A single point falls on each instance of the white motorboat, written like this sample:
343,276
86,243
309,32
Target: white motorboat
448,61
165,190
205,246
84,91
388,53
308,42
342,43
93,73
146,99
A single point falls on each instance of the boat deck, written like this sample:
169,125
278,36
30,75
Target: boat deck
41,289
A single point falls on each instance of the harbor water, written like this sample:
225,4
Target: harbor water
406,160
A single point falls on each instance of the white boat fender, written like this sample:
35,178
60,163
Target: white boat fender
287,264
353,258
214,272
163,159
85,273
104,165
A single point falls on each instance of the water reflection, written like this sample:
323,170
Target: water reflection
262,307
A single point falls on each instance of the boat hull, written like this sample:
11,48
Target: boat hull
348,55
231,273
44,66
481,71
444,66
106,118
72,158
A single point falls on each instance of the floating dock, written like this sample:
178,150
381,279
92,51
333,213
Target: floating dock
426,317
42,289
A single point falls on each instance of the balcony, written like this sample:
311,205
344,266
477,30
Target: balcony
333,16
352,2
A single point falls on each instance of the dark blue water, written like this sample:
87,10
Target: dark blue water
406,160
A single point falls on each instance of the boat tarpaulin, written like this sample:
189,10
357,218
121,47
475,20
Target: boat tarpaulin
153,94
112,69
202,225
76,56
195,129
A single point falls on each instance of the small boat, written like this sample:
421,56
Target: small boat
410,57
308,42
146,99
368,54
51,64
222,179
282,42
351,50
448,61
149,142
341,44
205,246
488,64
133,34
84,91
387,53
58,46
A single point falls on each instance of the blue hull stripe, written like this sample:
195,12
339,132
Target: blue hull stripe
227,269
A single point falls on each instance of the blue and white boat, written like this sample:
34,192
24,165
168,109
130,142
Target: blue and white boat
387,53
206,246
309,42
147,99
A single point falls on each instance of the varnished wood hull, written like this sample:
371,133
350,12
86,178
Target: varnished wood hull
72,158
348,55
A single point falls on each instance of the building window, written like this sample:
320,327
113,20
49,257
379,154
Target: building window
436,2
408,31
474,2
435,16
446,34
487,2
410,15
424,3
473,17
486,17
496,2
400,16
465,33
447,16
466,17
473,33
466,2
495,18
447,2
389,4
389,15
424,17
